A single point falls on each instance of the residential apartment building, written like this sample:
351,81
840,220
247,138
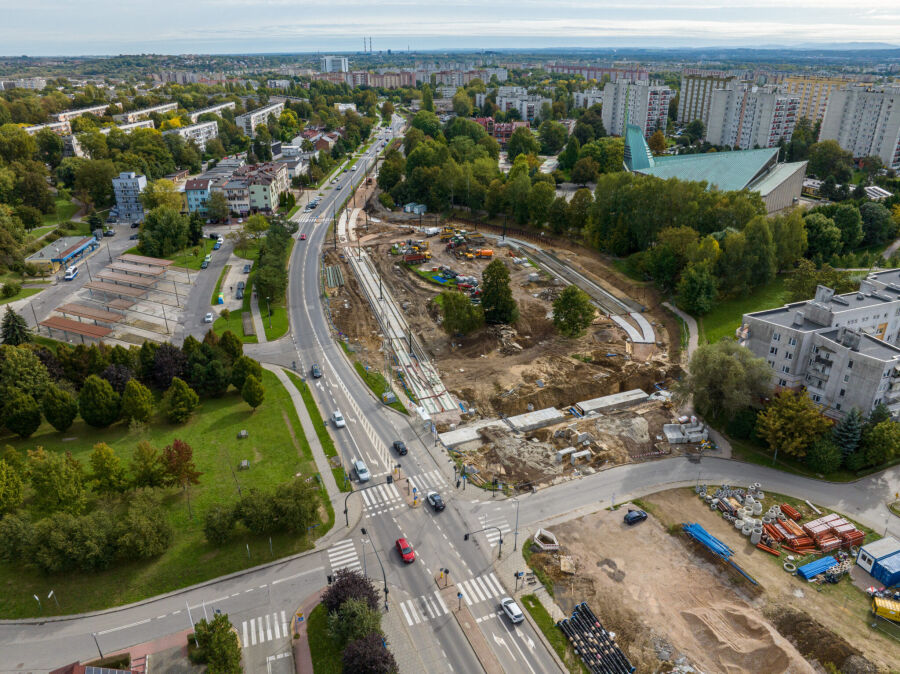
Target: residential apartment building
59,128
34,83
255,187
200,133
249,121
128,128
585,99
865,121
127,188
334,64
697,87
197,190
518,99
137,115
600,73
213,109
69,115
196,193
640,103
814,92
278,84
841,348
745,116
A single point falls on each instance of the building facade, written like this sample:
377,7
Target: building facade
814,92
600,73
213,109
196,194
138,115
585,99
59,128
865,121
128,128
69,115
249,121
127,188
695,96
334,64
746,116
200,133
640,103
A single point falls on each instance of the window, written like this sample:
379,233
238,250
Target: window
792,341
773,350
849,364
776,336
815,349
838,406
786,369
843,391
877,402
782,382
789,355
816,398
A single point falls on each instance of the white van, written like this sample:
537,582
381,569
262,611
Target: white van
71,273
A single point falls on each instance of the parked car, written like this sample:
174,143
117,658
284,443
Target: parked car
220,240
239,294
109,232
204,264
407,554
338,419
400,447
635,516
208,258
135,225
241,285
217,245
208,318
315,371
435,501
362,471
247,268
134,237
509,606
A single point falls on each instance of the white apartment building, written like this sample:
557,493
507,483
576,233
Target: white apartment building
516,98
128,128
585,99
34,83
745,116
137,115
214,109
334,64
59,128
249,121
640,103
200,133
865,121
278,84
69,115
695,96
127,188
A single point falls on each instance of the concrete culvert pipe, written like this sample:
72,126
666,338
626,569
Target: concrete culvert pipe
755,535
738,523
757,508
789,567
746,529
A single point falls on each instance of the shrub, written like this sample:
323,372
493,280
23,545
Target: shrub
98,402
179,401
10,290
218,524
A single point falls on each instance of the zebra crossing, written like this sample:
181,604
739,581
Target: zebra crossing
381,498
343,556
425,482
474,591
264,628
480,588
424,608
493,535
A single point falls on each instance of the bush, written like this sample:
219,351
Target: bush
218,524
145,531
742,426
355,619
21,415
98,402
10,290
179,401
823,456
60,408
386,200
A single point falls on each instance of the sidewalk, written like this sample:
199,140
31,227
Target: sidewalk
302,656
257,320
693,330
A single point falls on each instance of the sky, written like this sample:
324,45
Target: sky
76,27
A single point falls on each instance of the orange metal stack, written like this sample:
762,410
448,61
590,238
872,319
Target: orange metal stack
831,532
791,512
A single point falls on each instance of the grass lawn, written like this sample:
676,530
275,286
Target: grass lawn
235,321
326,656
554,635
277,326
23,293
251,252
64,211
725,318
376,381
38,232
215,296
192,257
276,448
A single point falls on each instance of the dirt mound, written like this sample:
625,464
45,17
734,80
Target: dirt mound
816,641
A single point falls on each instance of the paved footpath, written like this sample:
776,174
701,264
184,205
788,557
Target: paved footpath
257,320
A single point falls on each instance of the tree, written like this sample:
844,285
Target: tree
881,443
789,234
573,311
760,255
93,181
696,130
462,104
21,371
848,220
427,98
178,461
657,142
147,467
118,376
877,224
558,215
21,415
724,378
569,156
107,471
168,362
137,402
496,295
231,346
368,655
460,316
697,289
848,432
50,147
14,329
387,111
584,171
539,200
217,206
791,423
218,524
256,226
218,645
522,141
823,455
802,283
252,392
164,232
179,401
60,408
244,367
98,403
161,192
57,481
553,137
145,531
828,158
348,584
12,490
823,236
579,210
353,620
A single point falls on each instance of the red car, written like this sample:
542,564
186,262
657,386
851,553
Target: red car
406,551
303,237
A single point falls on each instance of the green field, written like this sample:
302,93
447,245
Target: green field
326,656
23,293
725,318
277,325
64,211
192,257
276,448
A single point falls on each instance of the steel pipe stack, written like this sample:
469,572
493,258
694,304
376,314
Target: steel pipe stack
593,643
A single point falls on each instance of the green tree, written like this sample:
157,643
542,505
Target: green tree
107,471
137,402
791,423
848,432
462,104
828,158
145,531
98,403
21,371
881,443
522,141
573,312
231,346
558,215
823,455
252,392
580,210
217,206
165,231
161,192
760,255
569,156
584,171
219,645
540,198
256,226
60,408
496,295
218,524
724,378
354,620
823,236
801,284
244,367
553,136
657,142
93,181
57,481
427,98
789,234
697,289
14,329
146,466
179,401
12,490
848,220
21,415
877,223
460,316
696,130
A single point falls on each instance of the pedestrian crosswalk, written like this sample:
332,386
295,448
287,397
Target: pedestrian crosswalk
264,628
496,527
432,480
343,556
424,608
381,498
480,588
430,606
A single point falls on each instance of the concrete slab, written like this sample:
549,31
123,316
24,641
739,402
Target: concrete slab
537,419
612,402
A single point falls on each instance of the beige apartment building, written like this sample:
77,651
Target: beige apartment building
813,92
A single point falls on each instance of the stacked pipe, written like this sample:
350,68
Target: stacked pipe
714,545
832,532
791,512
593,643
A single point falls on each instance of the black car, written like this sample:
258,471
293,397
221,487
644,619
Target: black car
246,268
135,225
134,237
399,447
239,295
315,371
635,516
241,285
109,232
204,264
435,501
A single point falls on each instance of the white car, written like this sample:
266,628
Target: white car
338,419
208,318
512,610
220,241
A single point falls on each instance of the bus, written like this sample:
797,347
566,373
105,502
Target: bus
71,273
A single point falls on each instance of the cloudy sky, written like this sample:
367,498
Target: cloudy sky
63,27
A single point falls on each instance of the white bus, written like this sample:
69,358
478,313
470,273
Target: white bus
71,273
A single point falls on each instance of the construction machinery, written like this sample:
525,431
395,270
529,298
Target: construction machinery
448,233
484,253
416,258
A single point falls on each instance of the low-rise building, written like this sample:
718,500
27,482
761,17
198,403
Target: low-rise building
278,84
249,121
196,193
128,128
501,131
201,133
127,188
138,115
59,128
212,109
69,115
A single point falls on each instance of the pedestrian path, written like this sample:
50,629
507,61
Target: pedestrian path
499,527
424,608
381,498
264,628
343,555
432,480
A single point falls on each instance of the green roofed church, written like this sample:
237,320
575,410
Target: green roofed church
755,170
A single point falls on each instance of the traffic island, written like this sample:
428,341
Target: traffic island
300,620
460,610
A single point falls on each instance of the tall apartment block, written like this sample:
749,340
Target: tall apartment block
127,188
841,348
587,98
814,92
746,116
600,73
865,121
254,118
333,64
695,96
200,133
640,103
214,109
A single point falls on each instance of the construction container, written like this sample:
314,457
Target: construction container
886,608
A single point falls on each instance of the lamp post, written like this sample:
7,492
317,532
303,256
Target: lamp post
97,644
269,311
383,574
516,534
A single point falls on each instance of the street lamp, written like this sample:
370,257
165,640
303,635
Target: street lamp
383,574
269,311
516,535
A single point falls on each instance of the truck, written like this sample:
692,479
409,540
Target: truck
485,253
416,258
448,233
432,231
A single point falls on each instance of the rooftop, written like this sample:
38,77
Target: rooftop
775,177
868,346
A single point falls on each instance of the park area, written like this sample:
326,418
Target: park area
276,450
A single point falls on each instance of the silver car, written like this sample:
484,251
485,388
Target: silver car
362,471
512,610
338,419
